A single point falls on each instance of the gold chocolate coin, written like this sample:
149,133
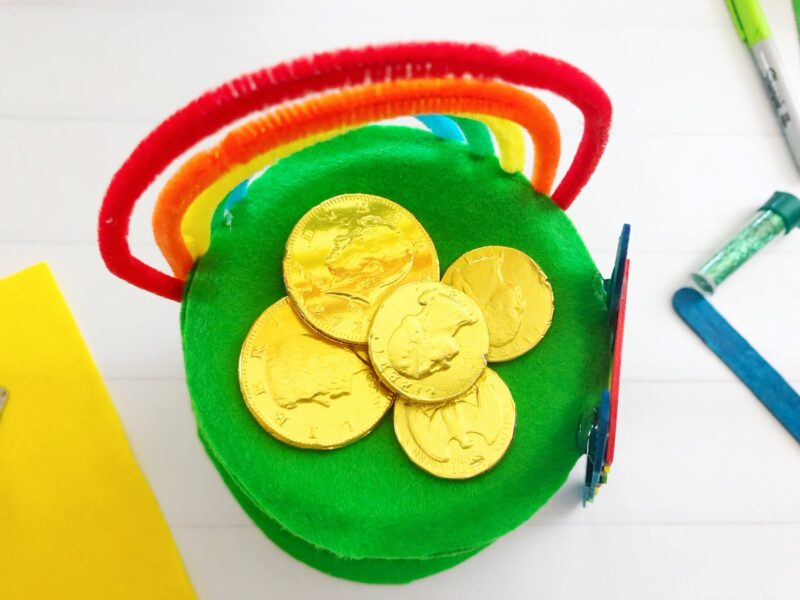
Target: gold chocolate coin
428,342
305,389
513,293
346,255
461,438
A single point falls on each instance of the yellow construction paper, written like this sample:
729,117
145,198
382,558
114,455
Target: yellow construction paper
77,518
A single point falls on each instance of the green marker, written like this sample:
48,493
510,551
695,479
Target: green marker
753,29
796,6
779,215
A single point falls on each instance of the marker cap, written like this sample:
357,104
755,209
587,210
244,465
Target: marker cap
749,20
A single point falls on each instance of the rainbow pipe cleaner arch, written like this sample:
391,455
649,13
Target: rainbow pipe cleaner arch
359,105
307,130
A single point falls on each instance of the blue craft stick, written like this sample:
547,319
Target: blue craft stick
442,126
747,364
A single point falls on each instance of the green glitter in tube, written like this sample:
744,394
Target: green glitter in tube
779,215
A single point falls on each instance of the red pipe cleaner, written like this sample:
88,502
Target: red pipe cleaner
267,87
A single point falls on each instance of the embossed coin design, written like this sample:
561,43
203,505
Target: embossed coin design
513,293
346,255
305,389
428,342
461,438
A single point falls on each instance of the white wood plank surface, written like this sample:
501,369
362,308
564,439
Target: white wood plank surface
703,500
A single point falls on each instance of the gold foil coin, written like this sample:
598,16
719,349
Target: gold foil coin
305,389
461,438
428,342
346,255
513,293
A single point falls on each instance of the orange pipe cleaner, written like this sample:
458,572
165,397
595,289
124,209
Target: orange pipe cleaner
350,107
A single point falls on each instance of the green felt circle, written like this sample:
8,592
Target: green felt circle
365,570
368,500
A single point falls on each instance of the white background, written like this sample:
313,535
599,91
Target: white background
704,498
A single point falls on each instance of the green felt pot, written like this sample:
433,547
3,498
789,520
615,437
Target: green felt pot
365,570
367,500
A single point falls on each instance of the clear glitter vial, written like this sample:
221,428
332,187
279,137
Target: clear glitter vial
778,216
